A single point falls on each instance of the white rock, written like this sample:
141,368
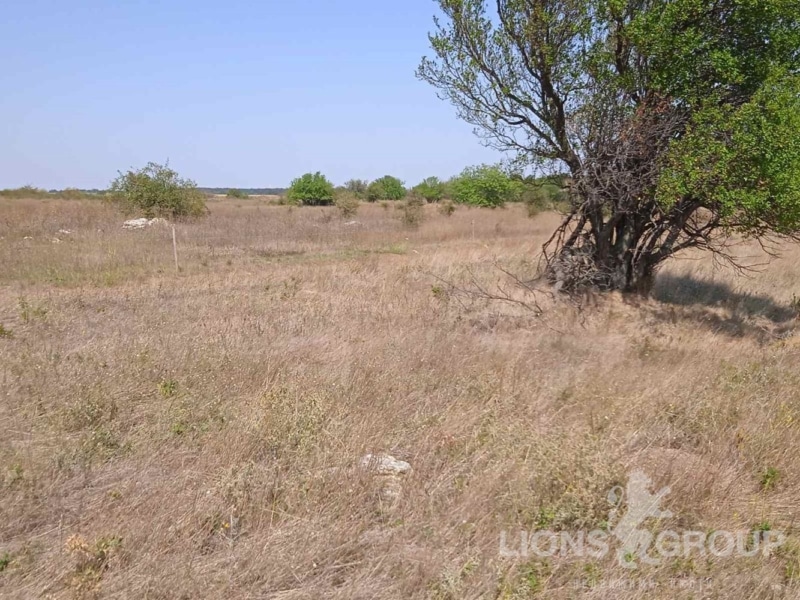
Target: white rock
136,223
143,222
64,232
351,223
384,464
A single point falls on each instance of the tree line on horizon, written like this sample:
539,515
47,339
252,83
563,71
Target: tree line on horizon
159,190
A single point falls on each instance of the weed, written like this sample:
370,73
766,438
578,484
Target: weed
168,388
92,560
770,478
28,312
5,333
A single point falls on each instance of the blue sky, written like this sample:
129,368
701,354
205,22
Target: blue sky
247,94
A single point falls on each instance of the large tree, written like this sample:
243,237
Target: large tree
678,120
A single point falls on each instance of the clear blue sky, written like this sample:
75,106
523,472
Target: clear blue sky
234,93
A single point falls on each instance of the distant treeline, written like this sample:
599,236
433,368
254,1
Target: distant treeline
245,191
30,191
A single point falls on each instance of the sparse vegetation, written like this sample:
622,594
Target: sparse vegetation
201,417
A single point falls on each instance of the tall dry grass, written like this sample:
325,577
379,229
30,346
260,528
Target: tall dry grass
197,434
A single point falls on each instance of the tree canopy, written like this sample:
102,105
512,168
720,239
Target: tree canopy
484,185
158,191
430,188
312,188
678,120
386,188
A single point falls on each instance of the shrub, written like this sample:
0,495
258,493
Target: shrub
386,188
357,187
432,189
485,185
312,189
26,191
238,194
347,203
447,208
413,211
158,191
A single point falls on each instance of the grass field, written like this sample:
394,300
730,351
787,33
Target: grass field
197,434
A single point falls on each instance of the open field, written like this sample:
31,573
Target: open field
197,434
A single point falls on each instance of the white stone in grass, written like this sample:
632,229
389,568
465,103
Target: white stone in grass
384,464
143,222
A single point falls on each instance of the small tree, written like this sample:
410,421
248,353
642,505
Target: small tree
238,194
158,191
312,189
386,188
484,186
432,189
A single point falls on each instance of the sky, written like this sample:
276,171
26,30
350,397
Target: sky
233,94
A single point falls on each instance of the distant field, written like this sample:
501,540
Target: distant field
197,434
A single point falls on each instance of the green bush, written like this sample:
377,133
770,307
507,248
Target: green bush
432,189
386,188
158,191
485,185
238,194
312,189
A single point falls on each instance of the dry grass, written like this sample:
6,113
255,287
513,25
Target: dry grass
197,434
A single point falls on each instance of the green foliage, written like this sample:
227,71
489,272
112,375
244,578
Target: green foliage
4,332
432,189
484,185
312,189
238,194
158,191
742,161
386,188
168,388
769,478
